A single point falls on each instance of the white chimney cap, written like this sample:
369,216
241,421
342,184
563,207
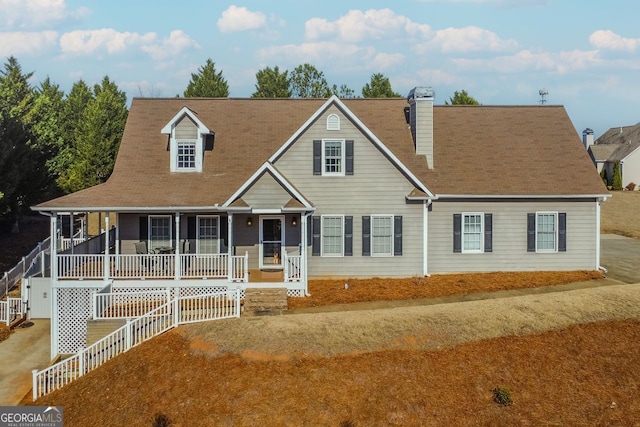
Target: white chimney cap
421,92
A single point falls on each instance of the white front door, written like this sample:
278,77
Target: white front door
271,241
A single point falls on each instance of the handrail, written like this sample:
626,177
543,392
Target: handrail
187,309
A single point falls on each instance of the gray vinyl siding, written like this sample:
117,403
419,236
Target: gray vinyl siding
266,193
376,188
510,237
186,129
128,229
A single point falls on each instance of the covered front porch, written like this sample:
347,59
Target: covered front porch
237,250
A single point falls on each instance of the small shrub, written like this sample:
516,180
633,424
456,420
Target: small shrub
631,186
161,420
616,180
418,280
502,396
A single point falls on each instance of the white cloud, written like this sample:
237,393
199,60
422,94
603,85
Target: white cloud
176,43
35,14
384,61
467,39
17,43
85,42
112,42
357,26
240,19
602,39
524,61
318,53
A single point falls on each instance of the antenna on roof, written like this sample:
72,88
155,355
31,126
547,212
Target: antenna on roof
543,92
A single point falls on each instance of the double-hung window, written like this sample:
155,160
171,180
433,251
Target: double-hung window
472,232
186,155
333,156
159,231
332,235
547,232
208,235
381,235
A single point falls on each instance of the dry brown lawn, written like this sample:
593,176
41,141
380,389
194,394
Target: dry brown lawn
619,214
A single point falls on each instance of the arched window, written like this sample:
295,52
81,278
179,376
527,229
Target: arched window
333,122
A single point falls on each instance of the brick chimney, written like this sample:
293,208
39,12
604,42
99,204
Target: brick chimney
420,101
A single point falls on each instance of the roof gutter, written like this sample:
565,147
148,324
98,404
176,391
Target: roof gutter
522,196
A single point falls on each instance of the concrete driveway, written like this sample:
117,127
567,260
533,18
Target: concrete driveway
621,257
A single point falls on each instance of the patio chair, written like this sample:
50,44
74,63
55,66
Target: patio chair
141,249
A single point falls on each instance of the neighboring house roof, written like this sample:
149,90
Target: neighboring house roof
478,151
616,143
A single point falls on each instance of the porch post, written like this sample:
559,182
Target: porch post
106,247
303,250
230,247
53,247
176,257
71,231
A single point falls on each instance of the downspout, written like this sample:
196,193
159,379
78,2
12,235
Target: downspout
425,237
598,266
303,251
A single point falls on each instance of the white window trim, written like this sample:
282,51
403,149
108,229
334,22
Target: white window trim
217,217
392,249
149,228
462,233
555,215
335,124
343,157
195,163
341,254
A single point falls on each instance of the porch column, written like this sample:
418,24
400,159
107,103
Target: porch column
106,247
176,257
303,250
71,231
53,247
230,247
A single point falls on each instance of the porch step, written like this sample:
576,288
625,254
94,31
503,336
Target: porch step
98,329
265,301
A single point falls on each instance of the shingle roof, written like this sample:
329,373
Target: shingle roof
478,150
617,143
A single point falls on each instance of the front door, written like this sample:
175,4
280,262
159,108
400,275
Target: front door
271,241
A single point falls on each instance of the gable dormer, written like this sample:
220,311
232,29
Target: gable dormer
188,137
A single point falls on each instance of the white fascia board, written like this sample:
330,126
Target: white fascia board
335,100
267,166
522,196
185,110
130,209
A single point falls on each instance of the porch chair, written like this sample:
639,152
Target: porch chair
141,249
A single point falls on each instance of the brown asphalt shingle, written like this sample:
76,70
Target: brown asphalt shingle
478,150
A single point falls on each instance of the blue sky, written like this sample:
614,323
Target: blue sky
586,54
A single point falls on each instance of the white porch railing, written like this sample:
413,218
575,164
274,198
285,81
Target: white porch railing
156,266
66,243
177,311
125,305
10,278
10,309
293,267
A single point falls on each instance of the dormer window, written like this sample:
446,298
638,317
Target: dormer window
333,122
187,139
186,153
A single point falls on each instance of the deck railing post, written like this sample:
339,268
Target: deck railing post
81,362
237,302
176,314
34,383
246,267
127,336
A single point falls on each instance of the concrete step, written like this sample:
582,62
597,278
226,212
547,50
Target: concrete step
98,329
260,301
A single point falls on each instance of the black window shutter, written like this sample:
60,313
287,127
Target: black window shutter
144,228
309,227
562,232
397,235
223,231
457,232
348,235
488,232
349,157
315,247
174,232
191,227
317,157
531,232
366,236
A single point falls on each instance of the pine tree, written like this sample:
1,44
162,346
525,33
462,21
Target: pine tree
207,83
603,175
271,83
617,177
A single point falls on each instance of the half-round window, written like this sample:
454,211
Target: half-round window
333,122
